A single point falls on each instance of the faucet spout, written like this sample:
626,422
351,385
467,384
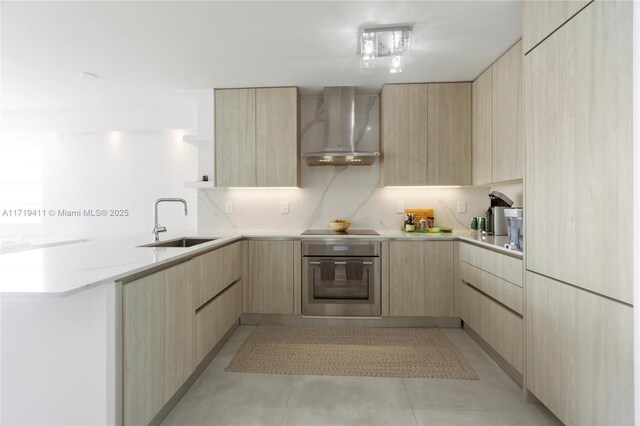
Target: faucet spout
157,228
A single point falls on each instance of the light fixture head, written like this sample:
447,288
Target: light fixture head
392,42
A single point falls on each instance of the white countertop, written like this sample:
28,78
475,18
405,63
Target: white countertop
66,269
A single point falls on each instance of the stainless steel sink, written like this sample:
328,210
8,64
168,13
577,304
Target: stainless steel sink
180,242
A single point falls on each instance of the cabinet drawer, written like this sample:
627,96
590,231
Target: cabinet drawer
215,318
216,270
506,267
497,325
503,291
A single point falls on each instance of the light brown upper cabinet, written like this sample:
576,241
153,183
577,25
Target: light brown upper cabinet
481,94
541,18
498,121
257,137
404,134
449,134
426,134
579,163
507,116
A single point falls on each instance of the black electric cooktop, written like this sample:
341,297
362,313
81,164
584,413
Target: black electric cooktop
347,232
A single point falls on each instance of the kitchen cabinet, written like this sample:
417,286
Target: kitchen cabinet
579,163
507,116
426,134
481,118
277,137
498,326
542,18
216,270
217,295
215,318
492,300
270,287
235,137
421,278
404,134
579,353
449,134
158,347
257,141
498,121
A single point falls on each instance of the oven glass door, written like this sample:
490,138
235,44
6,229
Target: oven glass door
341,279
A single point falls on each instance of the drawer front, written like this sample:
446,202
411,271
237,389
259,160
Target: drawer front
503,291
506,267
498,326
216,270
215,318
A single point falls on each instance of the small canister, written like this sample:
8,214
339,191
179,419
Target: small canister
422,224
484,223
474,223
430,222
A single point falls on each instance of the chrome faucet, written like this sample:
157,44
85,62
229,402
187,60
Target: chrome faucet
157,228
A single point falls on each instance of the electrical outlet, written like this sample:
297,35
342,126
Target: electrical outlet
284,207
228,207
400,207
462,207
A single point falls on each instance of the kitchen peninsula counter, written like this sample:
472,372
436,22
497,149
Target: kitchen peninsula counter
64,270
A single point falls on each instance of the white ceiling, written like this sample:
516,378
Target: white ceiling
145,52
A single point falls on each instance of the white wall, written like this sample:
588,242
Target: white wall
107,170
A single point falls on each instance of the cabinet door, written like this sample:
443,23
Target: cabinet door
404,109
235,143
158,347
277,141
449,134
507,120
421,278
541,18
269,289
578,100
481,141
216,270
579,353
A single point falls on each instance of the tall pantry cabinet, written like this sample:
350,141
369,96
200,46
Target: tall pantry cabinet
578,179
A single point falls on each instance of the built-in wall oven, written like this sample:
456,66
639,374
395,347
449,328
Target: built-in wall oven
341,278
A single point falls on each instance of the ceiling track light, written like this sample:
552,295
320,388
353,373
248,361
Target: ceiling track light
391,42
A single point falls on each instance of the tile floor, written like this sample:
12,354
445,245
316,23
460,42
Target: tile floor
220,398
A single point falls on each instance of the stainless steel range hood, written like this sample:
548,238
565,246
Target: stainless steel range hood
339,129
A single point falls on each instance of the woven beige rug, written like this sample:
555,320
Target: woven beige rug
340,351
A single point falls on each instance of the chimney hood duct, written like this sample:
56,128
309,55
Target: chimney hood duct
339,132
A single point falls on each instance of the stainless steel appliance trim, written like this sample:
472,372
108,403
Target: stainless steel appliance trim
338,263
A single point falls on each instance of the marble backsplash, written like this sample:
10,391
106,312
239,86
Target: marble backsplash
329,192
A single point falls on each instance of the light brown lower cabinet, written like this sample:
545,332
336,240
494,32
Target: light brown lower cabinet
270,287
421,278
579,353
215,318
167,331
500,327
158,346
216,270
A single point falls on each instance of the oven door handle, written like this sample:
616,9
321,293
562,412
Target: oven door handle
338,263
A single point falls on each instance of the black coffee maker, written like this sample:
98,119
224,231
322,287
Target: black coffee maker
495,215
